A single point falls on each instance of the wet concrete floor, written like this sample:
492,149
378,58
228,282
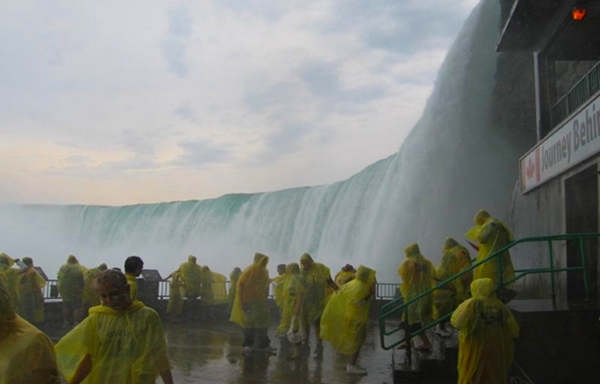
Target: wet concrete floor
213,354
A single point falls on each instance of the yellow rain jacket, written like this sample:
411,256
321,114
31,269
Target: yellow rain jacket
26,354
132,281
176,292
90,296
12,277
487,329
191,274
219,288
293,289
234,277
206,288
125,347
447,298
491,235
464,262
345,319
70,280
278,282
417,275
343,277
31,303
252,293
318,290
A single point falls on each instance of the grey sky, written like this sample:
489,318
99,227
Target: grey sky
187,100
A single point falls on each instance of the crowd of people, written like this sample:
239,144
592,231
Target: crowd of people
113,335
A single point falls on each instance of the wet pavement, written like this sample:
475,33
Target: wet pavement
213,354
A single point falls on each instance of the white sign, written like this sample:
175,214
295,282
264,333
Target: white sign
575,141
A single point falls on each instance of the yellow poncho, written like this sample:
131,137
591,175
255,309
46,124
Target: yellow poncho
449,296
278,282
132,281
176,292
31,298
26,354
70,281
292,288
234,277
125,347
491,235
346,316
252,291
464,261
487,329
318,290
191,274
343,277
417,277
90,296
219,288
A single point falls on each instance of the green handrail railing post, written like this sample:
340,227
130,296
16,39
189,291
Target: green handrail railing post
585,271
552,283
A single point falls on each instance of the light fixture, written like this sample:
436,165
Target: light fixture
578,13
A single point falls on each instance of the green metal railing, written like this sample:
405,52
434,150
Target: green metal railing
398,306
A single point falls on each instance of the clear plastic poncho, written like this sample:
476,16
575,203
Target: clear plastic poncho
417,275
491,235
125,347
487,329
345,319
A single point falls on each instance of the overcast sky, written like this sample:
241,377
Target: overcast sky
124,102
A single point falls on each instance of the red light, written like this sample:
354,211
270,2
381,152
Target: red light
578,13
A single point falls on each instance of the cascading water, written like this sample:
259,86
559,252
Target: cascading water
454,162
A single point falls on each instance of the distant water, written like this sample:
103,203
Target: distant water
454,162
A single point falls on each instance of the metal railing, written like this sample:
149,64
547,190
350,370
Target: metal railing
384,291
398,306
588,86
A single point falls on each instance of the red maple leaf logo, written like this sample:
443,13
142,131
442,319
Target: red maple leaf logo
530,169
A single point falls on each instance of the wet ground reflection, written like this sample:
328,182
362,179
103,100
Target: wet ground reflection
212,353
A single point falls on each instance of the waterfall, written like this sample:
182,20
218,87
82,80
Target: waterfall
455,161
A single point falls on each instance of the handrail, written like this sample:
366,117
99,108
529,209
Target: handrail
394,307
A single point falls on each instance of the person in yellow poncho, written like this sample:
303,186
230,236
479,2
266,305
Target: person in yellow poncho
31,283
191,276
12,277
345,319
251,306
489,236
278,285
234,276
487,329
121,341
90,296
292,297
417,275
26,354
446,298
134,265
70,287
176,292
464,262
347,274
319,287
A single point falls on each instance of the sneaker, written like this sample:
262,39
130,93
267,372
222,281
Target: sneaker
440,331
247,349
268,348
355,370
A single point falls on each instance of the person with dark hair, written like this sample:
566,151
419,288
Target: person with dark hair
121,341
26,353
133,269
346,274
